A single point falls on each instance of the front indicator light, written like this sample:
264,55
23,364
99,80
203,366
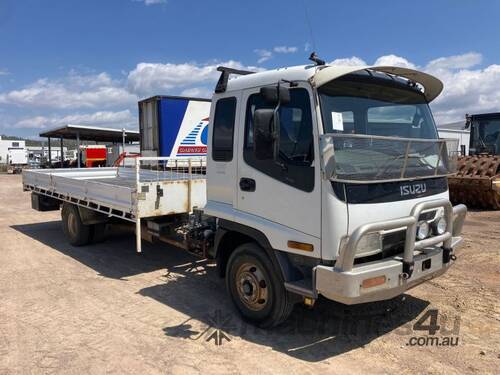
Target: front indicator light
422,230
300,246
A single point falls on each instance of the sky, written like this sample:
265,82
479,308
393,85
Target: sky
89,62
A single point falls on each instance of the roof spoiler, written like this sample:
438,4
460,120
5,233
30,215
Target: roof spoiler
224,77
432,86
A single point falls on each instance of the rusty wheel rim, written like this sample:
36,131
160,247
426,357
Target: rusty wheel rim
252,286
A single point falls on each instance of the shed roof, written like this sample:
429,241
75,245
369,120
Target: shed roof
91,133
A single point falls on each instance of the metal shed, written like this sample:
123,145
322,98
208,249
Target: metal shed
89,133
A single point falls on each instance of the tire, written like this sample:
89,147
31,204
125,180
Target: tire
77,233
255,287
98,232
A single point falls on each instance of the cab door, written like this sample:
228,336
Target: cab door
285,194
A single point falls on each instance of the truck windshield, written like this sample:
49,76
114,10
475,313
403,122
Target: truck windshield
381,128
375,104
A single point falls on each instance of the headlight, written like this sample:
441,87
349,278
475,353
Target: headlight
369,244
422,230
440,226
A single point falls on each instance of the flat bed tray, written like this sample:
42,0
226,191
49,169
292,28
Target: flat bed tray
128,193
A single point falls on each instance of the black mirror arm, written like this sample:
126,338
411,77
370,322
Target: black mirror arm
276,136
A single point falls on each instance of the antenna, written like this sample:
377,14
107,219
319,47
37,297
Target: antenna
314,58
309,26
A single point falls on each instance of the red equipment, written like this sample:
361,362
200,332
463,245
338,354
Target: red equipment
94,156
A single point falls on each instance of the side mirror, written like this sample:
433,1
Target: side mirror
275,95
263,137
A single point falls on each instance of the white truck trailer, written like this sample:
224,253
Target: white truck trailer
17,159
320,180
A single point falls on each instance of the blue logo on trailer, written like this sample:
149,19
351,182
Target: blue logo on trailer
171,113
195,143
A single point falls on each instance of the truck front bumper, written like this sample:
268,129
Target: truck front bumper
390,277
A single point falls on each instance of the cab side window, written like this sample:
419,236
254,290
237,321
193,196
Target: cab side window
296,146
223,135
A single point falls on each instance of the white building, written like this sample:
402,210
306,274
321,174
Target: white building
456,130
6,144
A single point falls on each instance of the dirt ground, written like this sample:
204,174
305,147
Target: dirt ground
104,309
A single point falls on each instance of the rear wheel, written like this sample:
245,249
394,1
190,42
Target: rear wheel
77,233
255,287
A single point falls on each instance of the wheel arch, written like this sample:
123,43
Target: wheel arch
230,235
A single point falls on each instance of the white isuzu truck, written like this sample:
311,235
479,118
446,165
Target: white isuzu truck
319,180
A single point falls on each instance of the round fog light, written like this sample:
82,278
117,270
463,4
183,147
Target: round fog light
422,230
440,226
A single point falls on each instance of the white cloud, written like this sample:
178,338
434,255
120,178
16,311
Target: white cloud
37,122
198,92
4,72
467,89
465,61
285,49
70,92
90,80
154,78
105,118
348,61
393,60
263,54
151,2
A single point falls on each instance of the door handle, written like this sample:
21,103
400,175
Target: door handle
247,184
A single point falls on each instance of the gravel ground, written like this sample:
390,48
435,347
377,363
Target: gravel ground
103,309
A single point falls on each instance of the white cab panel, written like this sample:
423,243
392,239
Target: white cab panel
277,202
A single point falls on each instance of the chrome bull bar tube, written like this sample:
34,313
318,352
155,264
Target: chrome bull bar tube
345,262
411,231
459,212
454,217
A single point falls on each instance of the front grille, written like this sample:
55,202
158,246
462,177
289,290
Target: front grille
393,243
426,216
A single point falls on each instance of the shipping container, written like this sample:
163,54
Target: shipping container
174,126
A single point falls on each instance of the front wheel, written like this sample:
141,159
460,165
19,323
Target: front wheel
256,288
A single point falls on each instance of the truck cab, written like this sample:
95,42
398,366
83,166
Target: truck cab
327,180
